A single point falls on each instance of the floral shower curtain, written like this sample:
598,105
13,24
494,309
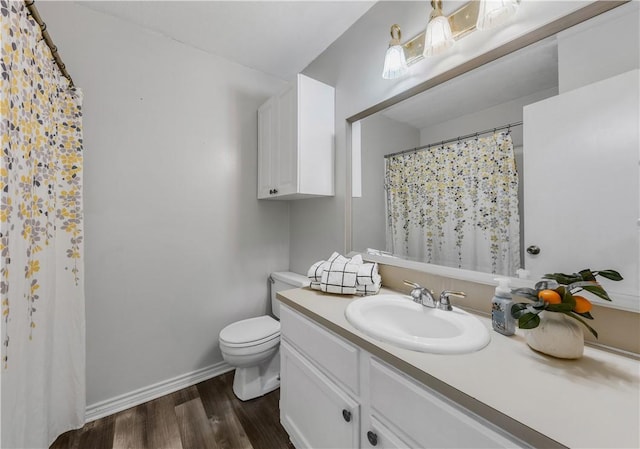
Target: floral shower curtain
456,205
41,239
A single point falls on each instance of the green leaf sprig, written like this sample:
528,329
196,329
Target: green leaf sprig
566,286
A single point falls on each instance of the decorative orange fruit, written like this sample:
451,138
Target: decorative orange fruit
550,296
583,305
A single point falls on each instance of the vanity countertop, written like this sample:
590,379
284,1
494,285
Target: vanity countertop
590,402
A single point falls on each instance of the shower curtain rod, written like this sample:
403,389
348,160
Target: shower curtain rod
47,39
476,134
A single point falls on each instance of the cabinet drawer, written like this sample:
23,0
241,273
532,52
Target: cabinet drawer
424,416
335,355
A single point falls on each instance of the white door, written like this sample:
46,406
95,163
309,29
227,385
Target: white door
575,144
286,167
267,135
314,411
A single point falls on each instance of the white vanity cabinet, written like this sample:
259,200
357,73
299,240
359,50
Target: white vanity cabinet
296,142
314,410
420,417
318,376
326,379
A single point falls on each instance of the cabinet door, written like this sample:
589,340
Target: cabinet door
581,182
427,419
267,143
286,167
313,410
380,437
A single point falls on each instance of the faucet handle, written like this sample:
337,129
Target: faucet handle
411,284
421,295
416,290
445,302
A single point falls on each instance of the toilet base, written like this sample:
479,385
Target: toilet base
255,381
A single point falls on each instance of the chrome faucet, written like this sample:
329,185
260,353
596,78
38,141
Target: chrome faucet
425,297
445,303
421,295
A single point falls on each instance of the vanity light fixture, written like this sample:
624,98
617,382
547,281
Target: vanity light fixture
438,37
395,62
494,13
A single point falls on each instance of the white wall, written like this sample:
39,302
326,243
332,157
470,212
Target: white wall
501,114
353,64
177,245
600,48
379,136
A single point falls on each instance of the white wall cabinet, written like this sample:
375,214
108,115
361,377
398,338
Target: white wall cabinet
387,409
296,142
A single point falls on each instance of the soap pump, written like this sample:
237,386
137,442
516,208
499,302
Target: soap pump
501,303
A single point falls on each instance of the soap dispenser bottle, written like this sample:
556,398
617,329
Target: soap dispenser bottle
501,303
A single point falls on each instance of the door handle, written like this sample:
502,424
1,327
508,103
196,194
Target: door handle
533,249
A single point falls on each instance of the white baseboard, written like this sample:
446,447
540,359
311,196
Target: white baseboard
145,394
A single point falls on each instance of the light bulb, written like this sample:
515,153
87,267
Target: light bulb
395,61
493,13
438,37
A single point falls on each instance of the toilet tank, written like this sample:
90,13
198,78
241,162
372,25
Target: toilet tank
284,280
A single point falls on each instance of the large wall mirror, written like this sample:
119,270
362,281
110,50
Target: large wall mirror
516,165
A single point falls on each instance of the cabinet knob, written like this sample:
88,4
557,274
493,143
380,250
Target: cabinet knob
372,437
346,414
275,190
533,249
270,191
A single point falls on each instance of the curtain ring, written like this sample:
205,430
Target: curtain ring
29,3
43,27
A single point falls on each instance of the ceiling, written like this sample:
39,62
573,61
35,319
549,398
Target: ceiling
525,72
275,37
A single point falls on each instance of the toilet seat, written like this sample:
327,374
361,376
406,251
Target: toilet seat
251,332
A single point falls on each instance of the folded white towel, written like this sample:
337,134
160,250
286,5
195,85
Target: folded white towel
315,272
370,289
366,290
367,273
339,277
342,275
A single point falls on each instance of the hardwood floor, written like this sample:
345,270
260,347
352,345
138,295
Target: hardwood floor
204,416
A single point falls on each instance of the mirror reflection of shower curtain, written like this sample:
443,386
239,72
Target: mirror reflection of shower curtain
456,205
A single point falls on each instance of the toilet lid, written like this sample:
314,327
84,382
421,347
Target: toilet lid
251,331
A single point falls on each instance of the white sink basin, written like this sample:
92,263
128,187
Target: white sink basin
396,319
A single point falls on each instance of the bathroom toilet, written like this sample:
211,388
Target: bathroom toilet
252,346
